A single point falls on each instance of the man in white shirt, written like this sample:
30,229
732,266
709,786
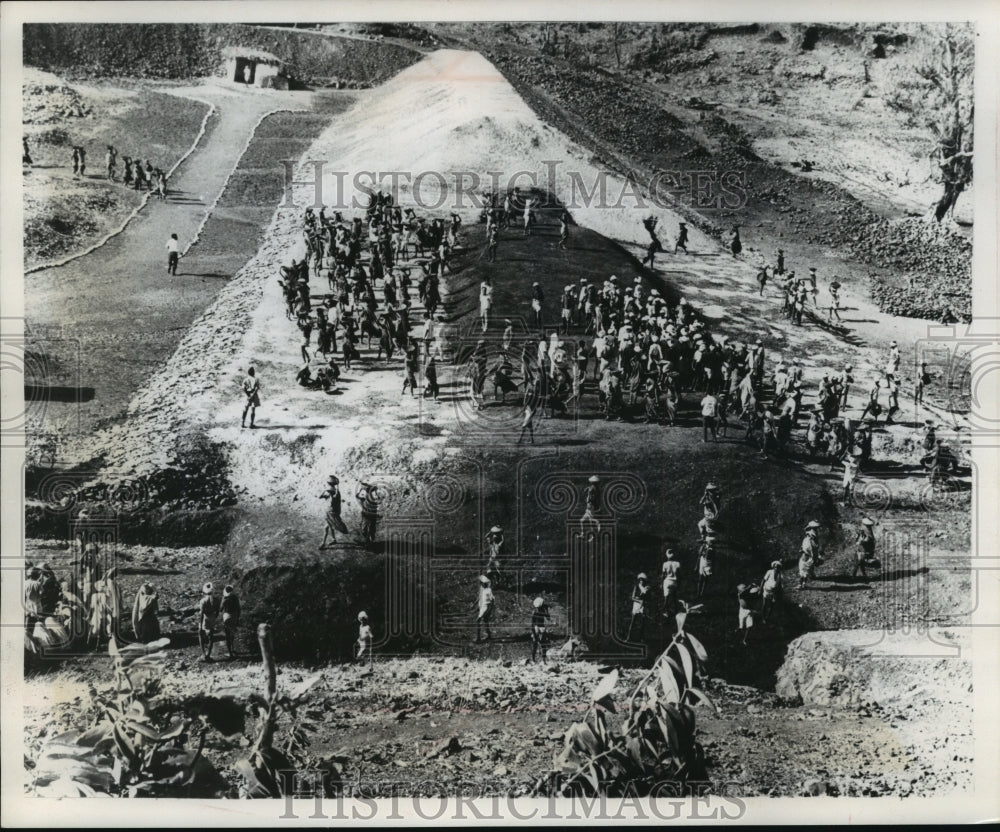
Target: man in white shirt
485,302
709,414
485,604
173,253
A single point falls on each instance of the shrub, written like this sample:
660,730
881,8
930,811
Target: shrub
656,740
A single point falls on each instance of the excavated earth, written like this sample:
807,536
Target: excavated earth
196,498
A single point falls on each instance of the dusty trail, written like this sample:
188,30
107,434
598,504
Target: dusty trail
127,340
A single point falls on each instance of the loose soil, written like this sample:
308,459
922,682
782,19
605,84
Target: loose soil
457,470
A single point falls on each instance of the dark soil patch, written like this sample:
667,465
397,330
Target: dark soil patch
628,132
235,230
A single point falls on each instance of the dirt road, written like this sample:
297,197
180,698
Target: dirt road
107,319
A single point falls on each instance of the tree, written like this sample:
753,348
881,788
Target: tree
949,72
617,33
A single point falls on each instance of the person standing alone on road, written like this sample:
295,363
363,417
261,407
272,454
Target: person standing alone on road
173,254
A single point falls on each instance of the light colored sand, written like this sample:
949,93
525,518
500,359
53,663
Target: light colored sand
451,112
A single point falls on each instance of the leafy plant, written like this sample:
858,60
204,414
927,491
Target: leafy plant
656,739
53,632
135,749
262,771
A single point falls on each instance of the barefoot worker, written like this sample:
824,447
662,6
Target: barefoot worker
485,602
145,623
367,496
745,596
208,614
230,609
539,617
251,389
494,541
173,253
365,639
334,523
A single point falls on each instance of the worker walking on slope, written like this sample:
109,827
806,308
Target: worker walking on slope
682,238
638,620
772,589
671,575
745,596
365,639
485,603
654,241
539,617
865,547
208,614
367,496
334,523
494,540
492,239
251,389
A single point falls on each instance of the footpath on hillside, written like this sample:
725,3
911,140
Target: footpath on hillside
105,320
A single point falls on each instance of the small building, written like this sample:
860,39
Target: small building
251,67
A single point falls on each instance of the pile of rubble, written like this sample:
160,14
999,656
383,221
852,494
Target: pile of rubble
47,103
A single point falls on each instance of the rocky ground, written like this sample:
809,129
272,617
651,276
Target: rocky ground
761,743
649,116
409,726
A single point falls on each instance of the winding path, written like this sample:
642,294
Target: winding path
106,319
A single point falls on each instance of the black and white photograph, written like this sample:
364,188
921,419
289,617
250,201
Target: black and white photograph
456,413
